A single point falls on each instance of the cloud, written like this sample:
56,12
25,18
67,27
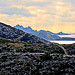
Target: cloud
68,20
72,1
53,15
37,3
40,0
17,11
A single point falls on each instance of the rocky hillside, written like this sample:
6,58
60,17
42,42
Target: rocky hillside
6,31
10,45
22,58
47,35
70,48
32,57
9,32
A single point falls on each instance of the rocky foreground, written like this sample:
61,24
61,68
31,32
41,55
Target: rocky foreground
21,58
12,63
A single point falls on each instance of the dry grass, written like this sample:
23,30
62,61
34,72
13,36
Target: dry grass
17,45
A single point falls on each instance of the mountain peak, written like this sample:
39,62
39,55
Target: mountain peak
28,27
42,33
61,33
22,26
42,30
18,25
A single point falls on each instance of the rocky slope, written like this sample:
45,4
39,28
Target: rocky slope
22,58
10,45
9,32
36,64
29,58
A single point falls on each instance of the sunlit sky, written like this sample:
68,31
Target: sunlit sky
52,15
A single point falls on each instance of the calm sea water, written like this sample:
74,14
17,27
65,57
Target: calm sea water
63,42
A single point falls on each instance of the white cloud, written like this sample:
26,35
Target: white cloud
46,14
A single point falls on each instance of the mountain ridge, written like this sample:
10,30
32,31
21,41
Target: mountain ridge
8,32
59,33
47,35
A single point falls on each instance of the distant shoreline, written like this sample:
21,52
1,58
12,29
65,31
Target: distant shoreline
70,36
62,41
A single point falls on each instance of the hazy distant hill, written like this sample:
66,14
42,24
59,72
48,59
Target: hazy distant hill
42,33
9,32
47,35
61,33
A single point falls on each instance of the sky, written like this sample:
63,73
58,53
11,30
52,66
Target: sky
52,15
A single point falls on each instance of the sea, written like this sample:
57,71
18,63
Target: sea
64,42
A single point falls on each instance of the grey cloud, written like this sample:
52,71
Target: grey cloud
68,20
37,3
5,3
63,15
17,11
72,1
72,9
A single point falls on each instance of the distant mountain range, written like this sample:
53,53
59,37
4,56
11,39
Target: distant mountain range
8,32
61,33
28,34
47,35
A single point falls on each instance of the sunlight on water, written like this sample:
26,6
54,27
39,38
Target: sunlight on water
63,42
